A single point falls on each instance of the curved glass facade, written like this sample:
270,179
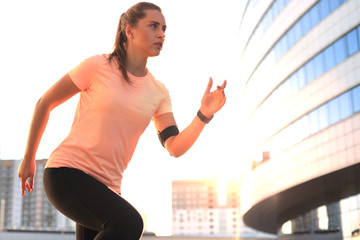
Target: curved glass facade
324,61
324,116
273,11
301,90
300,28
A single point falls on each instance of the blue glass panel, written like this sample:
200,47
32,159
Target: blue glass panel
310,71
358,33
314,15
352,42
319,65
283,45
314,121
298,31
334,111
277,50
356,99
324,8
305,23
345,105
281,4
340,50
301,77
275,8
267,19
271,57
291,36
334,4
323,117
329,57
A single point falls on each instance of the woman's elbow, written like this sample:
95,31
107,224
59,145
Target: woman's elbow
172,149
42,105
175,154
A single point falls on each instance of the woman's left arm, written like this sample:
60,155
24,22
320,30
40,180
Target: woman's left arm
211,103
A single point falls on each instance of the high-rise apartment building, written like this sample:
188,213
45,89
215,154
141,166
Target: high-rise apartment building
10,195
33,211
300,61
206,208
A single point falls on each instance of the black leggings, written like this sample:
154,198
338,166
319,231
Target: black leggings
99,213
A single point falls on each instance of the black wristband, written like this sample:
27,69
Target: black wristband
203,118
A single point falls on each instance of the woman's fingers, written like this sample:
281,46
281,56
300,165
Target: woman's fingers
224,84
208,88
222,87
29,185
23,186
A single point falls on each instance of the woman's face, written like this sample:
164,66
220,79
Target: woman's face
149,34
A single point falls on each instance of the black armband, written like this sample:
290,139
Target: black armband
166,133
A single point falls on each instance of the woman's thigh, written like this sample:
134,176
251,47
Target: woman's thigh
89,202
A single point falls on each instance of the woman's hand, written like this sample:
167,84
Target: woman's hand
26,174
212,102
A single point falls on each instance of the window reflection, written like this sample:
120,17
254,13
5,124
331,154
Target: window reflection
352,42
340,51
314,122
340,218
306,23
334,4
356,99
345,105
270,15
314,68
309,20
334,111
323,117
329,57
318,65
320,118
310,70
324,7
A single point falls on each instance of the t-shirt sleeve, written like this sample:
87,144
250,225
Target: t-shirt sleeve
165,105
82,74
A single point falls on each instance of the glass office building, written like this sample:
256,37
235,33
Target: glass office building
300,63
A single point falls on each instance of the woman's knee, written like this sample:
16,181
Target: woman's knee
130,229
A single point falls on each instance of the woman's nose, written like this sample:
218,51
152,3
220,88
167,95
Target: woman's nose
161,35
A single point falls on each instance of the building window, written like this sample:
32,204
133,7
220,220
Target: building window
322,8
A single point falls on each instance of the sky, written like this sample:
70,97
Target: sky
42,40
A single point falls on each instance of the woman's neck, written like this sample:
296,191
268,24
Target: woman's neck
136,64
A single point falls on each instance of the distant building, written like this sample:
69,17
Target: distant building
33,211
206,208
300,65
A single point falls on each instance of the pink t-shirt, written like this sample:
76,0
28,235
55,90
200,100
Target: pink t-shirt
110,117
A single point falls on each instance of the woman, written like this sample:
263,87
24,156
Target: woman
118,98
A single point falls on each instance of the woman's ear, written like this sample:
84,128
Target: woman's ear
129,33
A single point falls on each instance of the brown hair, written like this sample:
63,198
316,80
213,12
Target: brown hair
130,18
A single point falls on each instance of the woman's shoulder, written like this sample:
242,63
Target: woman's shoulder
155,80
97,59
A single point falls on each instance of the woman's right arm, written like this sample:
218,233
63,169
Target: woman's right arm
56,95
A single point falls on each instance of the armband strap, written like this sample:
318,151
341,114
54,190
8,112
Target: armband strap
166,133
